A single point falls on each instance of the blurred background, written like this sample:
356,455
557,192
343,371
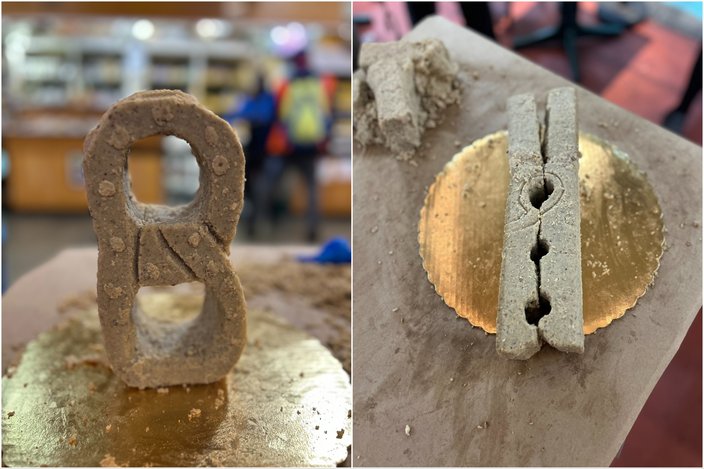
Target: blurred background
645,57
624,52
278,72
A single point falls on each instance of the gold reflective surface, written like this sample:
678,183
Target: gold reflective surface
286,403
462,225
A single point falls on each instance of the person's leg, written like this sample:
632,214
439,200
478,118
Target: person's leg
419,10
251,173
674,120
305,160
478,17
267,182
694,86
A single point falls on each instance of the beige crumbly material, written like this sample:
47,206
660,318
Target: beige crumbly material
540,296
401,89
515,337
219,400
108,461
147,245
194,414
328,288
561,267
96,359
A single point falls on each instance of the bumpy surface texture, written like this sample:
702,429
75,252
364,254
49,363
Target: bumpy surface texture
561,267
540,296
149,245
515,337
400,90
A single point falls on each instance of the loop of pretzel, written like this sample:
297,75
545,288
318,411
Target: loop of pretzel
148,245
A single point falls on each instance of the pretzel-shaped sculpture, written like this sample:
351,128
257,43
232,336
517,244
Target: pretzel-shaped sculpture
150,245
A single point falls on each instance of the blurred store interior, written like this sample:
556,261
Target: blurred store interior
644,57
64,64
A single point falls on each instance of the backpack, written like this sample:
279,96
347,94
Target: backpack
304,111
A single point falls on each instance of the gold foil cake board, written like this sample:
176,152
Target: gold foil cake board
286,403
461,231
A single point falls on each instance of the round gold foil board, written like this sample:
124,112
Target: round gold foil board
462,226
286,403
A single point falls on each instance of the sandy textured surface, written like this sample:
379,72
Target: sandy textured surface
415,364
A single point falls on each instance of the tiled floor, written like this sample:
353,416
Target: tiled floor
624,69
644,70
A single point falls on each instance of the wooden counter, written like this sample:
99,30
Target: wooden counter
46,174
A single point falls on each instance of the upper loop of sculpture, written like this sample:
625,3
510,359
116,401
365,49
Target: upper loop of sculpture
216,148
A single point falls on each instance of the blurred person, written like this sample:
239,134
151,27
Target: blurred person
675,119
303,127
259,110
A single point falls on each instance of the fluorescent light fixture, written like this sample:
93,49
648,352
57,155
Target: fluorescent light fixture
143,29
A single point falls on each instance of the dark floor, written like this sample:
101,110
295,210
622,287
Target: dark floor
644,70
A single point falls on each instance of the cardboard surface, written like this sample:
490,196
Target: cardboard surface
420,366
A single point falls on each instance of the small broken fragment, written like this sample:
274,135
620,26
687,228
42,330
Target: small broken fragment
193,414
408,430
220,400
401,89
71,361
73,440
108,461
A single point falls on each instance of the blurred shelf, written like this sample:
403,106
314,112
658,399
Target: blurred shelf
47,175
61,73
